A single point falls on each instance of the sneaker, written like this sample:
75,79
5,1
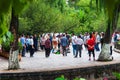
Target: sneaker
75,57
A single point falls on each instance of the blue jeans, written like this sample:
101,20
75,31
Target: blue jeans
97,47
74,49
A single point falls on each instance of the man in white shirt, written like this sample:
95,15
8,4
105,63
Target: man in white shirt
79,43
74,44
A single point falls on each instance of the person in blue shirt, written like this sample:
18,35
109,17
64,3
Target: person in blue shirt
22,40
64,44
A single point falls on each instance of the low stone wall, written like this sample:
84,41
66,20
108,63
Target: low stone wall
6,55
117,47
90,73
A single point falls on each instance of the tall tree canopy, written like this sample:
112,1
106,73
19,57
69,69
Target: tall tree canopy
6,7
46,16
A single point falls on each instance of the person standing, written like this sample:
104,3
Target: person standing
102,39
43,43
97,42
47,47
35,39
54,43
85,38
74,44
91,44
27,43
22,40
64,44
79,43
31,46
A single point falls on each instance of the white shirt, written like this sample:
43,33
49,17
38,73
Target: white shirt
73,40
97,38
79,41
86,38
31,41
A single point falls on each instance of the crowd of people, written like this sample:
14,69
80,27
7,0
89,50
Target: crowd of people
60,43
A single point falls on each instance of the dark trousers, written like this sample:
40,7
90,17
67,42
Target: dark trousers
110,50
78,49
35,46
91,51
47,52
43,47
64,51
23,51
27,48
31,51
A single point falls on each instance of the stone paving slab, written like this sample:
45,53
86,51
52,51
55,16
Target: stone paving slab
55,62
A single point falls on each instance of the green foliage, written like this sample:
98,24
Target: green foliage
117,75
41,18
20,47
110,7
63,78
89,19
6,41
5,12
79,78
46,16
18,5
6,8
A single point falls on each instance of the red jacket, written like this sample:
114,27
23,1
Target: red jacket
91,44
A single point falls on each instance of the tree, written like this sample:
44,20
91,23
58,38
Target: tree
112,8
87,15
13,8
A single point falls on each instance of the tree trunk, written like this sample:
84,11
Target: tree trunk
13,58
105,52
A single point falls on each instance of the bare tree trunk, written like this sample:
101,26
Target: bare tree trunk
13,58
105,52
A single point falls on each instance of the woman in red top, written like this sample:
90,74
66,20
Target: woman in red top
91,44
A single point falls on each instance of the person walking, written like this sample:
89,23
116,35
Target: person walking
79,43
91,44
47,47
